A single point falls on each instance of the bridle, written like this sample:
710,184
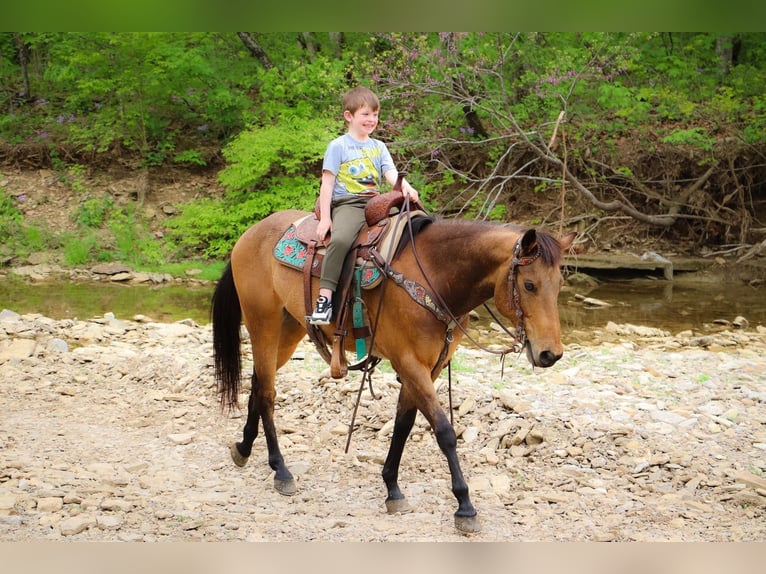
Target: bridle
513,287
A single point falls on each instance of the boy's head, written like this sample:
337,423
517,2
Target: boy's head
358,97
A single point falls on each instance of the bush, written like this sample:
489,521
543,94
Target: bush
210,228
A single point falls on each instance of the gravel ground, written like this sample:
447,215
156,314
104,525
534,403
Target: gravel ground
110,430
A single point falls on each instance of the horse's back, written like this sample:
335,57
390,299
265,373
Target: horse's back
261,281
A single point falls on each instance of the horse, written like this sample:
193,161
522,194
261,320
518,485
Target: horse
459,263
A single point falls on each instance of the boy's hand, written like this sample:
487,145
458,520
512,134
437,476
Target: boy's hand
410,191
324,227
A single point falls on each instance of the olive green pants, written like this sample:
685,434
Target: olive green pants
347,220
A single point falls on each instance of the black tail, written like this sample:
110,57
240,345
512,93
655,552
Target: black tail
227,318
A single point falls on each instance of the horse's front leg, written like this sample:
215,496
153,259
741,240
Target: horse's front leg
414,397
465,516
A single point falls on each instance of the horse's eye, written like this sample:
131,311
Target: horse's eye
529,286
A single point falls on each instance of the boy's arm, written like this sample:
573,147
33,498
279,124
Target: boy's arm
325,204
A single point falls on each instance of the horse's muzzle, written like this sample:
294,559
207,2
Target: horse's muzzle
544,359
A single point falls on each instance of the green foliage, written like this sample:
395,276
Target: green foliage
93,211
10,216
190,157
207,270
133,244
292,146
692,136
159,99
16,237
210,228
80,249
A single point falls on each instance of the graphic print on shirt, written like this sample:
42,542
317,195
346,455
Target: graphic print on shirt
360,174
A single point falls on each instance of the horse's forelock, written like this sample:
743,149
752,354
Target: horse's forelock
550,249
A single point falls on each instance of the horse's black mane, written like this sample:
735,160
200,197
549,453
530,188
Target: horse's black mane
550,250
417,225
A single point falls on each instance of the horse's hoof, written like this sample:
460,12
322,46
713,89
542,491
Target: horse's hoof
398,506
238,459
286,487
467,524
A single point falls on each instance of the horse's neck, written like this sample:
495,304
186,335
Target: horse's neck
468,258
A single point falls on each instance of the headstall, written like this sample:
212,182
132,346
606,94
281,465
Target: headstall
513,288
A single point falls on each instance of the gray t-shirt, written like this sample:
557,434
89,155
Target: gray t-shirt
358,166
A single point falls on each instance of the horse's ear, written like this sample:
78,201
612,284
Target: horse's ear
528,241
566,241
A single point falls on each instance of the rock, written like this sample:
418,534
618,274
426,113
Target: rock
109,521
56,345
501,484
16,349
120,277
52,504
7,315
611,443
511,401
470,434
466,407
740,322
110,269
592,301
667,417
7,503
116,504
535,436
76,524
750,480
181,438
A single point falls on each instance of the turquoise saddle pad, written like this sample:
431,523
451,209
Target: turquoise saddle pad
293,253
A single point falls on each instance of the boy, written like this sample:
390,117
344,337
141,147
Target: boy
352,171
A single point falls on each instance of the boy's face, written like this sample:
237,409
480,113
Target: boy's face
362,122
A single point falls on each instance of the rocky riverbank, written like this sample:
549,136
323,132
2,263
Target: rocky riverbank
110,430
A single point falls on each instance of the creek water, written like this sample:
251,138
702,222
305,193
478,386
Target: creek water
672,306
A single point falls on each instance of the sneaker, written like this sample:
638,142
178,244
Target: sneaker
322,311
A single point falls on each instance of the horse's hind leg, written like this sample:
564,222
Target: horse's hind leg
240,451
267,359
260,407
405,419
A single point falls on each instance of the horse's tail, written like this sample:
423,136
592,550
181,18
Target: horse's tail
227,317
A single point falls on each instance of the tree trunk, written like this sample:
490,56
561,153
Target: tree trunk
337,39
255,49
723,47
308,43
23,52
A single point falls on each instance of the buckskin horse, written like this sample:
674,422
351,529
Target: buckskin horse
460,264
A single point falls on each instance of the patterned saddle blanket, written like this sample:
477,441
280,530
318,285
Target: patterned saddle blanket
292,247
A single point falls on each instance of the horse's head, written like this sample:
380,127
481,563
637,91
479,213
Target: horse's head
528,294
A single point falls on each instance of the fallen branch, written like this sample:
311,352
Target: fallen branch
753,251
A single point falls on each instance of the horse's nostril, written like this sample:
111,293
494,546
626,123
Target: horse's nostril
547,358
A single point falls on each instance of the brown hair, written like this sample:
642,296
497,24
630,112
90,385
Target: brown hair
360,96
